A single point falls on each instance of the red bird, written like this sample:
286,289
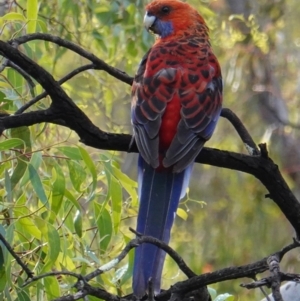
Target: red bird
176,103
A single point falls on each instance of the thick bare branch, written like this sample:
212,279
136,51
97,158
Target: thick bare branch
249,270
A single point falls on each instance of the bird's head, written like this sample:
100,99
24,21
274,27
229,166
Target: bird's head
172,17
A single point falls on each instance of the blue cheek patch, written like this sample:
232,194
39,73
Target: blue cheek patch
164,28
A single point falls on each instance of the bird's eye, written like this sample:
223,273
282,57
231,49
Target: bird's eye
165,9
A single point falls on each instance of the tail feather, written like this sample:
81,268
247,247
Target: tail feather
159,192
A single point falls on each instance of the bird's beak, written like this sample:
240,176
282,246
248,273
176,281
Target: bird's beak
149,20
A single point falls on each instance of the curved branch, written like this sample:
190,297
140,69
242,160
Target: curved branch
242,131
249,270
28,272
268,280
30,82
58,273
61,81
101,65
135,243
174,255
92,291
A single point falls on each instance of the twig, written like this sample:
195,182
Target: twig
268,280
262,289
160,244
283,276
91,291
108,266
150,290
242,131
135,243
28,272
284,250
57,273
27,77
273,263
61,81
4,64
101,65
249,270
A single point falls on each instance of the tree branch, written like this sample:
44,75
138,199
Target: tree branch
16,257
249,270
100,65
61,81
242,131
273,263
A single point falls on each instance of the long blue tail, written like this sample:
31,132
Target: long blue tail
159,195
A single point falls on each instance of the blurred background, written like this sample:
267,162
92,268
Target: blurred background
226,219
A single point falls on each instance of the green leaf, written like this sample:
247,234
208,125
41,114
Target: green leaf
119,274
37,185
35,161
224,297
72,198
18,172
104,225
53,244
3,276
115,192
99,39
17,82
128,184
128,274
52,288
8,187
32,15
24,134
23,295
78,223
182,213
71,152
58,190
131,48
2,250
42,25
212,292
26,227
91,167
9,235
13,16
11,143
77,174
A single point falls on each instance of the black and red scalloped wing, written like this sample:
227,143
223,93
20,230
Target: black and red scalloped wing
177,96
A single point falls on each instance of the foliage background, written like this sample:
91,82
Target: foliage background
66,206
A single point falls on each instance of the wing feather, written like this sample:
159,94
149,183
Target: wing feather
165,76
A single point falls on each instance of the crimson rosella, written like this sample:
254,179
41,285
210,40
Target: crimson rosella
176,103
